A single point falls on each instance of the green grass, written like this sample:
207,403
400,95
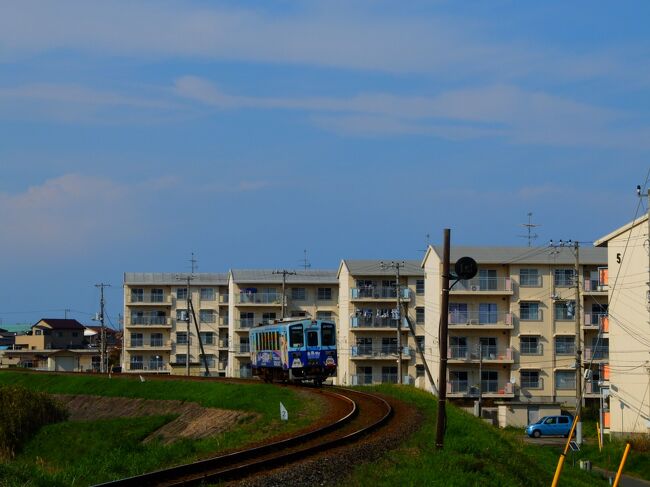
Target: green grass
475,454
86,452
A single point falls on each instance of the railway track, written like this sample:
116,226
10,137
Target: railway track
364,414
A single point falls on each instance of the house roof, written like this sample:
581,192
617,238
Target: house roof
171,278
60,324
523,255
262,276
602,241
373,267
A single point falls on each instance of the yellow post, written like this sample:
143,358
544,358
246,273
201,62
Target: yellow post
560,462
600,443
620,467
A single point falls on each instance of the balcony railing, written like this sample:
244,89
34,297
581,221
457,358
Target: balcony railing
242,348
597,321
369,379
459,352
150,367
208,318
151,320
488,387
372,322
594,286
223,298
596,353
383,351
223,343
480,318
223,321
245,323
379,292
150,344
259,298
533,384
150,298
530,349
484,285
592,387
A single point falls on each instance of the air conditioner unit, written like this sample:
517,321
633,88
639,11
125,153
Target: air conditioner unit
476,287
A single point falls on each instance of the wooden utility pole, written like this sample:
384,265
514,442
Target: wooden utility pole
284,273
441,422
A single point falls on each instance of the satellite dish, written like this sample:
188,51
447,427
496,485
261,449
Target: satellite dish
466,268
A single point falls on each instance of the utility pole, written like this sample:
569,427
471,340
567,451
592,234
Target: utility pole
187,317
480,376
102,336
576,248
284,273
397,266
441,421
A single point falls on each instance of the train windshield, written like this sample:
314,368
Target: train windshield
312,338
328,337
295,336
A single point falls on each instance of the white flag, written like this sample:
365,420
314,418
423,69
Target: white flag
284,414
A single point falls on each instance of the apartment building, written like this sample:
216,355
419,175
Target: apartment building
258,299
156,335
367,337
628,384
513,332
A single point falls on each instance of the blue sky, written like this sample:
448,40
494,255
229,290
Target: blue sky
134,133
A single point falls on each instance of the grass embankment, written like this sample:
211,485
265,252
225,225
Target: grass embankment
475,454
85,452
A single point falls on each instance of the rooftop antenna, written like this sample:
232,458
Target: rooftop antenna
193,264
530,225
305,263
427,242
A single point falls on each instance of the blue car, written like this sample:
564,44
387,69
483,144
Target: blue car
550,426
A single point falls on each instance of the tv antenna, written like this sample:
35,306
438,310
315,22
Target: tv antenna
427,242
304,262
193,264
530,226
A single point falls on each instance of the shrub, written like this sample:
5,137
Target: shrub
22,414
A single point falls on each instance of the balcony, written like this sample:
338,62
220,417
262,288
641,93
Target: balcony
150,322
223,343
489,388
155,368
149,345
461,354
223,299
252,299
484,286
223,321
374,322
244,323
480,320
597,353
594,287
379,293
531,384
221,366
382,352
370,379
592,389
150,299
242,348
596,321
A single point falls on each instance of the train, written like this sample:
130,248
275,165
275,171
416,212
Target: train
294,350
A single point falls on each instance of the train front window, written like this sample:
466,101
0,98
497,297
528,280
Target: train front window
328,337
295,336
312,338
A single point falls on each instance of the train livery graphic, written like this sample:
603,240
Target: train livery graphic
294,350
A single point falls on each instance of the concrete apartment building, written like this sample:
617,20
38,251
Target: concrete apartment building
156,336
629,327
367,333
257,299
512,329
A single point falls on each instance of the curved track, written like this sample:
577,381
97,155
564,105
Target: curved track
364,414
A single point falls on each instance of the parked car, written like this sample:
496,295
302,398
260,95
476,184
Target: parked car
550,426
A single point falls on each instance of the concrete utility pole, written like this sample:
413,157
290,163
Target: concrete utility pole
188,303
284,273
480,376
103,366
441,421
579,399
397,266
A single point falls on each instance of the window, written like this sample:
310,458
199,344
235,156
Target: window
458,381
458,347
137,295
181,293
458,313
529,311
389,345
364,346
565,310
564,277
295,336
419,287
487,313
489,381
246,319
562,420
488,346
136,362
208,358
530,379
365,375
487,279
419,370
207,315
529,278
136,339
329,335
389,374
564,345
600,348
419,314
312,338
181,358
207,337
181,338
419,340
207,294
324,315
156,362
37,332
181,315
298,314
75,334
529,345
324,293
565,379
156,339
298,293
268,318
156,295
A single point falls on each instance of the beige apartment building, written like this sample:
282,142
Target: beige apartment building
258,299
512,328
156,336
629,327
367,338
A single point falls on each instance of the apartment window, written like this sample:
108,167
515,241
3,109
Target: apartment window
209,358
419,370
389,345
181,358
136,362
268,317
564,310
136,339
529,311
419,314
156,362
181,315
389,375
458,313
489,381
324,293
298,293
419,287
156,339
529,278
530,379
458,347
564,277
207,294
565,379
246,320
364,375
324,315
156,295
458,380
181,293
137,295
529,345
487,279
298,314
207,337
564,345
600,348
420,342
181,338
364,346
37,332
487,313
488,346
207,315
